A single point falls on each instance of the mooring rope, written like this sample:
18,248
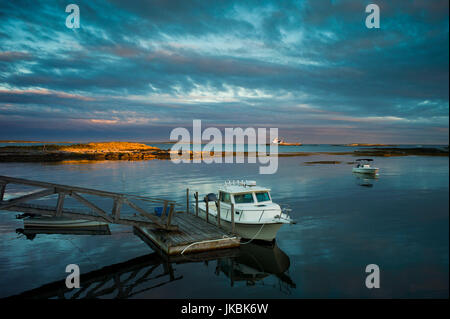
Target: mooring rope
207,241
254,236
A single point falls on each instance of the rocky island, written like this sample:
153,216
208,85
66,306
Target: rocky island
89,151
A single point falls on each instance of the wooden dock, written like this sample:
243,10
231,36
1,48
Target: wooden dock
193,235
174,232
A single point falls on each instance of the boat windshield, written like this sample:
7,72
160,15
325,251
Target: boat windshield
243,198
262,196
225,197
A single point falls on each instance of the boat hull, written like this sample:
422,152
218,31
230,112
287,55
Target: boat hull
262,231
60,222
362,170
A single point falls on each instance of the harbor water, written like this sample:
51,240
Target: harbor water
398,221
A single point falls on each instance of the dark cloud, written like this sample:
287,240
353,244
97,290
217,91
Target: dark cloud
308,67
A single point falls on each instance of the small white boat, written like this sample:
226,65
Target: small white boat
59,222
255,215
363,166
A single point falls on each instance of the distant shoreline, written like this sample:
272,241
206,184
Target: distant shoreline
206,142
137,151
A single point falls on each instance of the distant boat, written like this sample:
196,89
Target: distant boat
281,141
363,166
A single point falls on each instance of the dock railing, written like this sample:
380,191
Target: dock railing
95,213
218,215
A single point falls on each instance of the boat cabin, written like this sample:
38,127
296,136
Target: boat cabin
363,162
244,193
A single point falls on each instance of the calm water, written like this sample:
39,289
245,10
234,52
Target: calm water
307,147
398,221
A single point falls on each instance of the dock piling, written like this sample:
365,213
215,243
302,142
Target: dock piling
196,204
218,212
2,190
60,204
187,200
164,213
169,218
232,217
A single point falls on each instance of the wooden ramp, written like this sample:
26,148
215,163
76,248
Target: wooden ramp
141,217
170,232
193,235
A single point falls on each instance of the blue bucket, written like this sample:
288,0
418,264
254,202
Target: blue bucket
158,211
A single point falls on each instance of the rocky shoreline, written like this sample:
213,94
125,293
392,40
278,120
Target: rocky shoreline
90,151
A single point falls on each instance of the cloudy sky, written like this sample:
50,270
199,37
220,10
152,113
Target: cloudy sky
136,69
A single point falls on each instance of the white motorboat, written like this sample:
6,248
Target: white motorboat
255,215
362,166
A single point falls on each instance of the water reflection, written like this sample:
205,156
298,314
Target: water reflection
341,227
256,262
365,180
30,233
250,263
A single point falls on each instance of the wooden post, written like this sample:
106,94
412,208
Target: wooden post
196,204
218,212
164,212
187,200
116,208
232,218
207,211
60,204
2,190
169,218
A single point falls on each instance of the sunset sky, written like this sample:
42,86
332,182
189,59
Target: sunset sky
134,70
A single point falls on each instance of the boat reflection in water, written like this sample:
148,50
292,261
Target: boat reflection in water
365,180
250,263
31,232
256,262
34,225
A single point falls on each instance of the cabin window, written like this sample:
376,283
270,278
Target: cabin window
243,198
225,197
262,196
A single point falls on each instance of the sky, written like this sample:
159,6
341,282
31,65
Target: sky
135,70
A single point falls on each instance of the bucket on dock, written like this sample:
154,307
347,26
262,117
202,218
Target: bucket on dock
158,211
